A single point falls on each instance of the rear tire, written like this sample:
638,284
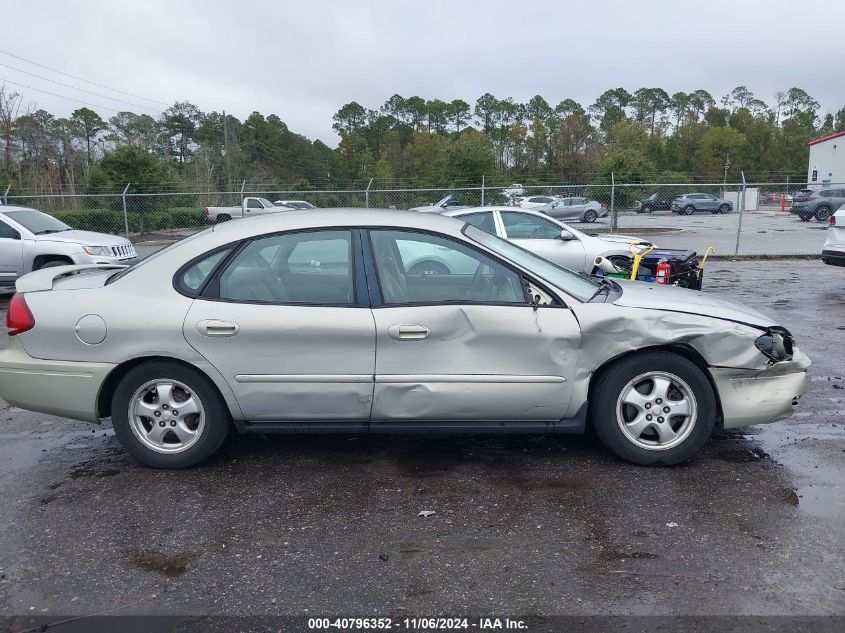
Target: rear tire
147,421
223,217
724,209
589,216
647,384
823,213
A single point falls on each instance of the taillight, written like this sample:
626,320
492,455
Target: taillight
832,220
18,317
206,212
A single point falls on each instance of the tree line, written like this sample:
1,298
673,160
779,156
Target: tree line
645,135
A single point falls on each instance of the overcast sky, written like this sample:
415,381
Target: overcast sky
303,60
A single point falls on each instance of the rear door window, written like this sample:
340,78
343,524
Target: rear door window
484,221
313,267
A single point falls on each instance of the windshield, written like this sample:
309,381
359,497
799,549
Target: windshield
579,285
155,255
37,222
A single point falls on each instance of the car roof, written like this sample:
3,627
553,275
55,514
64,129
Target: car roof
4,208
347,217
459,212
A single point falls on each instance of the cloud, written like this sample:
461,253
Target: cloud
304,60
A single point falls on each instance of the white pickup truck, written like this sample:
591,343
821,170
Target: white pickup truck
249,207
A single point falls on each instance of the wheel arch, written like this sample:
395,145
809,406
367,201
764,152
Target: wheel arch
107,389
40,260
684,351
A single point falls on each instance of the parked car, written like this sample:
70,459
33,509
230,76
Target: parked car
250,206
652,203
533,202
449,202
833,251
689,203
549,238
31,240
241,335
820,204
513,191
294,204
575,208
801,195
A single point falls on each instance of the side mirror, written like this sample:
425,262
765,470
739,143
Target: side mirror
566,235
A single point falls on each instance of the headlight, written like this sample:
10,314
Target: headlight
776,344
97,250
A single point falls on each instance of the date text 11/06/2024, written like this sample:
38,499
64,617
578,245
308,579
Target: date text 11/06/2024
417,624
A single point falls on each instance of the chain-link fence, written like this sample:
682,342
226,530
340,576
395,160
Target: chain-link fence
775,219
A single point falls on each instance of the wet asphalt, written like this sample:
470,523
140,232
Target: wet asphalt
520,525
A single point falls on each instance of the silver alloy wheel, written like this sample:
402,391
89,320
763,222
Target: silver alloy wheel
590,216
166,416
656,410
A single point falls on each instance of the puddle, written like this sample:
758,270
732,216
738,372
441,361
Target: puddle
801,448
167,565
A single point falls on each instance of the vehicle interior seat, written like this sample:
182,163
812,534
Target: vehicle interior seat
394,284
253,283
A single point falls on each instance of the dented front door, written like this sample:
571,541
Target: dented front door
479,362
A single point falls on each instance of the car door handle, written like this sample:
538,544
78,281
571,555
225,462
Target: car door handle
408,332
215,327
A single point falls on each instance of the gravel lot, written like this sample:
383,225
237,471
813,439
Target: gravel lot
522,525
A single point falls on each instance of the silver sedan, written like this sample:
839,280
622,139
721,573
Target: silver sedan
313,322
575,208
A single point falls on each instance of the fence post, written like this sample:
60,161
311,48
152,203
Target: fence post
740,201
125,216
367,194
243,186
612,203
6,195
482,190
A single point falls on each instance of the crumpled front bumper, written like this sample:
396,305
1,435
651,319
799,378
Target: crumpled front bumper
66,388
751,396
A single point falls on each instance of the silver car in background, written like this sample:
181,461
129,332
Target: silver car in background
311,321
560,243
575,208
31,240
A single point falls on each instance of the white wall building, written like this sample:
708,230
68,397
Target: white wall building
827,161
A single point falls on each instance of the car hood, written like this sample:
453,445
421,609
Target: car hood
621,239
638,294
89,238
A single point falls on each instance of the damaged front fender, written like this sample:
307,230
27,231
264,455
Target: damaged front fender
751,387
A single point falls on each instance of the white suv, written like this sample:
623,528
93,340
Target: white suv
31,240
833,251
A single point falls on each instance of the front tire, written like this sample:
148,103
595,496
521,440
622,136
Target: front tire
689,209
653,409
52,263
167,415
590,216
